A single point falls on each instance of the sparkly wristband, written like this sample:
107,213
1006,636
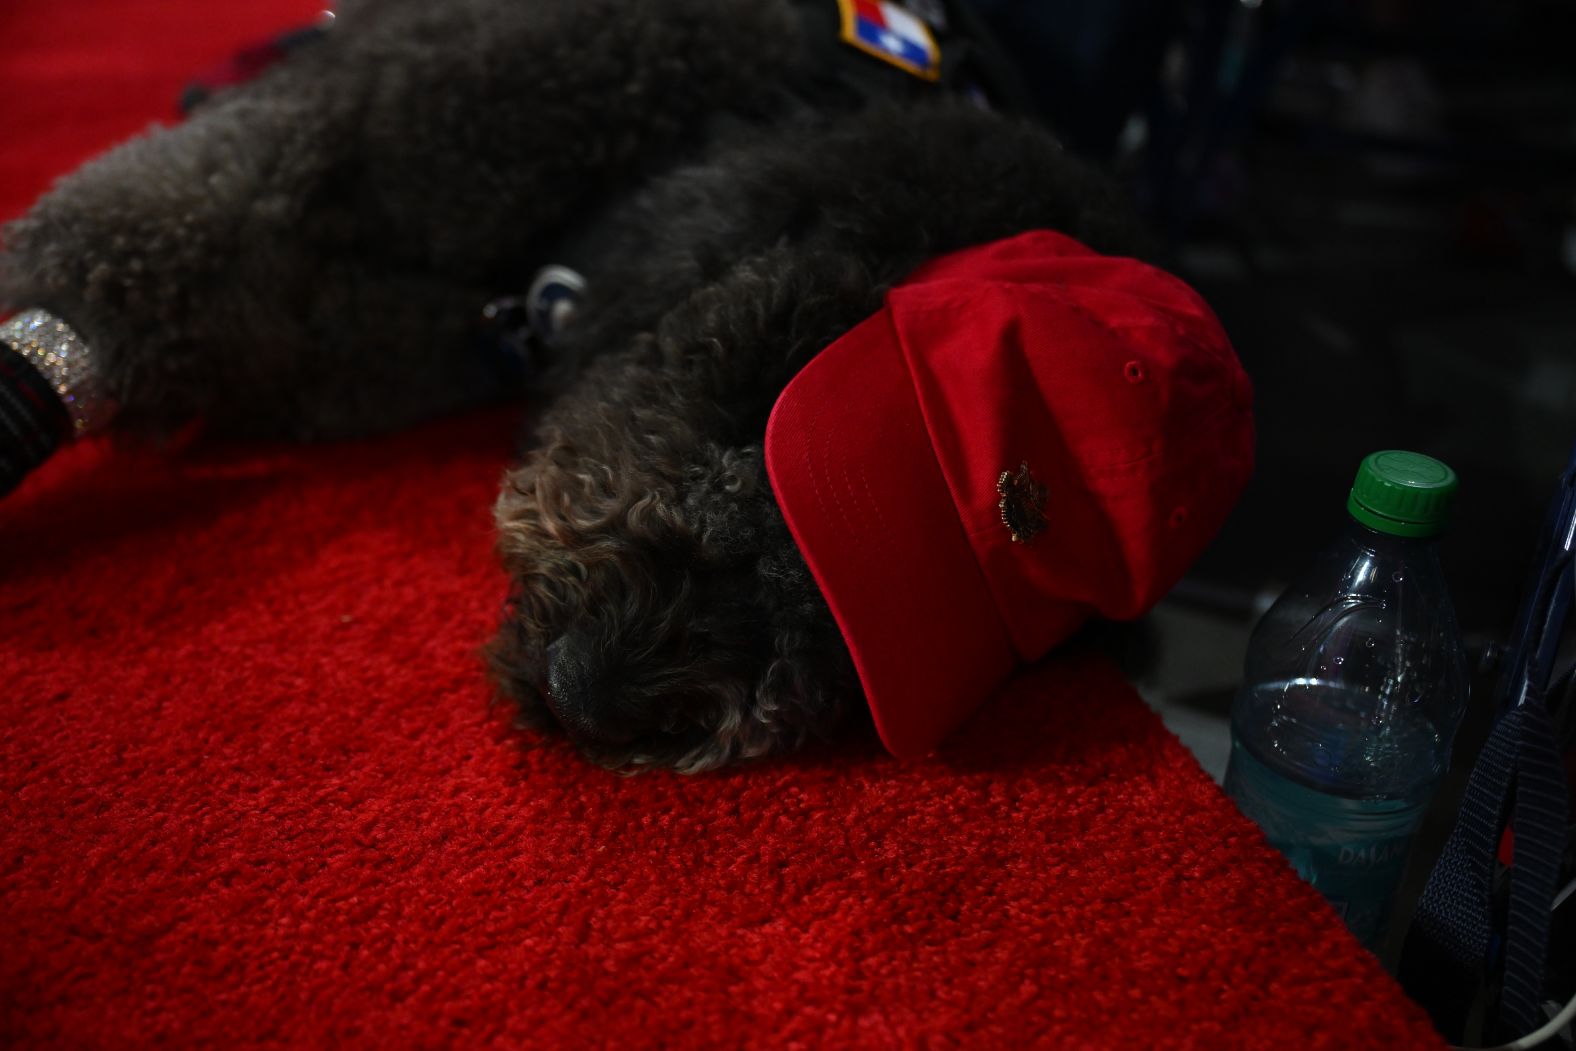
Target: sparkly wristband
60,355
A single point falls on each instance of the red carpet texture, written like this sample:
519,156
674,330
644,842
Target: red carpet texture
252,792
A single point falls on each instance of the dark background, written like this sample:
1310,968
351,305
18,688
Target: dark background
1379,199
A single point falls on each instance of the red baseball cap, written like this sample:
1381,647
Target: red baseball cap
1025,435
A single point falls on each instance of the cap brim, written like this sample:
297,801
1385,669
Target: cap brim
854,471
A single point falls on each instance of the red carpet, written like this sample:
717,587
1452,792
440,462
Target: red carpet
251,791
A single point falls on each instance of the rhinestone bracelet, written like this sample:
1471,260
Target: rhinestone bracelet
61,356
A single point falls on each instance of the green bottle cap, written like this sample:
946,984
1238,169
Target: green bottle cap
1402,493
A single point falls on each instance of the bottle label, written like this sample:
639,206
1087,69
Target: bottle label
1351,850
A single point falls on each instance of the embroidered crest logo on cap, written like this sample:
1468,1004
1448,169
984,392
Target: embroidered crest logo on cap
1027,434
1022,504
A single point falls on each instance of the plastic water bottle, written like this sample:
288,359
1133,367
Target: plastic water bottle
1353,688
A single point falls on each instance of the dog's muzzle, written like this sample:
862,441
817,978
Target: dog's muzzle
580,695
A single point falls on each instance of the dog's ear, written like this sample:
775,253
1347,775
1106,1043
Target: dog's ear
725,495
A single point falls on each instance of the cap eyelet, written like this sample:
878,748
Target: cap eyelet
1178,517
1134,371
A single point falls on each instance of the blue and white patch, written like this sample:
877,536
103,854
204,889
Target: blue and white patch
890,33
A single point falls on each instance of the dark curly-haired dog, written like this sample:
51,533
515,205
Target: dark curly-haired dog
306,256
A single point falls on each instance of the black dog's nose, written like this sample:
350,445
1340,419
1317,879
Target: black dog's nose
580,695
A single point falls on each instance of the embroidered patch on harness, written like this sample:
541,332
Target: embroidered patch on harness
891,34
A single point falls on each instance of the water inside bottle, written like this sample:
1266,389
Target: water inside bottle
1352,850
1340,740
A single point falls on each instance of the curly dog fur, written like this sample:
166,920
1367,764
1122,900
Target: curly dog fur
306,257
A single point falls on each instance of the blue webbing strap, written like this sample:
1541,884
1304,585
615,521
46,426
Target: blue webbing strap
1454,926
1538,819
1519,778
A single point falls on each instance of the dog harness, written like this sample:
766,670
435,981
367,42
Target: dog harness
862,51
